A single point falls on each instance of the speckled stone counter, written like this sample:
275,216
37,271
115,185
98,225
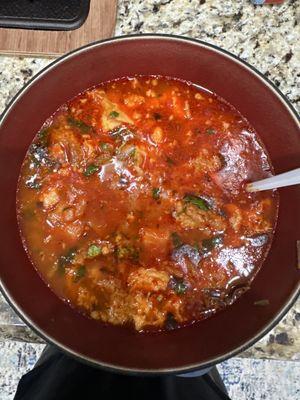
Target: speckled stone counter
268,37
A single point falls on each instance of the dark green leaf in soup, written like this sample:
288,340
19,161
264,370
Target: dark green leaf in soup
178,285
209,244
91,169
210,131
79,273
114,114
176,240
156,193
197,201
66,259
82,126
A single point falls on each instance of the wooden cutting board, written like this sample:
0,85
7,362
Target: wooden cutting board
100,24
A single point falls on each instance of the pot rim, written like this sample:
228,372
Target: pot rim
138,371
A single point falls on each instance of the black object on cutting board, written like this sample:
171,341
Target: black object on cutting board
43,14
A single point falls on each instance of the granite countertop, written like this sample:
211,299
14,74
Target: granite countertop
265,36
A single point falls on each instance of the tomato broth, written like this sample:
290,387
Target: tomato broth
132,203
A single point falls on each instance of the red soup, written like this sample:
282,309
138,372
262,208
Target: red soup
132,203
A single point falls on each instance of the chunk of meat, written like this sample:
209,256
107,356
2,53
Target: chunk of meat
112,115
235,216
90,149
70,213
157,135
111,303
74,230
134,100
86,299
206,162
148,280
64,205
256,218
147,311
65,146
155,242
191,217
49,197
118,307
251,221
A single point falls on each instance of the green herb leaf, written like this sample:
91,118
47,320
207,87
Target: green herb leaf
94,251
210,131
156,193
197,201
79,273
176,240
128,252
178,285
66,259
135,254
114,114
209,244
181,288
90,170
78,124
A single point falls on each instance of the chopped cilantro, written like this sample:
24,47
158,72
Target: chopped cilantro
156,193
90,170
210,131
94,251
114,114
79,273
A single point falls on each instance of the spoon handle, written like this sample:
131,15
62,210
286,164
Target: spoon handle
286,179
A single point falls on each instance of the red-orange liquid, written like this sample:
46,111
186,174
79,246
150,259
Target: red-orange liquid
132,203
